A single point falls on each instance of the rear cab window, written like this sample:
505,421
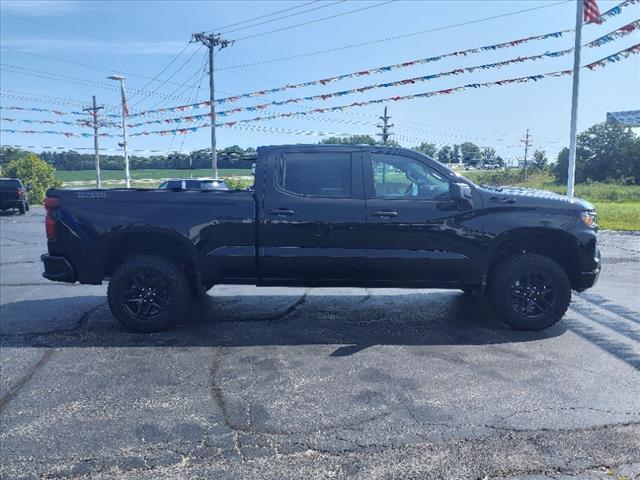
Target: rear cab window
315,174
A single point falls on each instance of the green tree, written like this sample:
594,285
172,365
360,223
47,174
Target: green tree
470,153
539,161
488,156
455,154
445,154
34,172
604,152
352,140
429,149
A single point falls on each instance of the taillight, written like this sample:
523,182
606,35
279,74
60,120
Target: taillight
50,204
21,192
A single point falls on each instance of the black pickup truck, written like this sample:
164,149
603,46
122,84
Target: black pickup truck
13,194
324,215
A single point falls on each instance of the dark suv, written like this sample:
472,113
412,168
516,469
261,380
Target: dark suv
13,194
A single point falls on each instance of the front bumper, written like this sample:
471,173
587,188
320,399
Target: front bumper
590,278
57,269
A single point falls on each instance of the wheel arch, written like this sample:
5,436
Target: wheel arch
556,244
123,244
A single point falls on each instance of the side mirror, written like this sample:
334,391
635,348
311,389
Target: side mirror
28,187
460,191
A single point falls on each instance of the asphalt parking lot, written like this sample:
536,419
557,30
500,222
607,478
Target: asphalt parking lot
284,383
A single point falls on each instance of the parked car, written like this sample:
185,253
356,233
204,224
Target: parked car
193,184
13,194
327,215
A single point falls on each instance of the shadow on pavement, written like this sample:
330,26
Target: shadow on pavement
351,322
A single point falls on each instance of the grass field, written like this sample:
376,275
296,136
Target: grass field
618,206
89,175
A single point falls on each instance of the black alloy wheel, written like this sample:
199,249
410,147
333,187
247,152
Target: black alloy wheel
532,295
147,296
529,291
149,293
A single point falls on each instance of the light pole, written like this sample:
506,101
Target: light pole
125,113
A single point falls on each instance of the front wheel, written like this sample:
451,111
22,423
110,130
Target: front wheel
149,293
529,292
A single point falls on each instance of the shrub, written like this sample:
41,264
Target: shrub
34,172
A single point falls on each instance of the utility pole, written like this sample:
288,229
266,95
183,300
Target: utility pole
93,111
385,127
125,114
527,143
211,41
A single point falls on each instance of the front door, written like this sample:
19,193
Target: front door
416,234
312,217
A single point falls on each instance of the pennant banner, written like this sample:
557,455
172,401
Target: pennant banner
43,110
181,108
616,57
619,33
83,123
54,132
327,96
532,78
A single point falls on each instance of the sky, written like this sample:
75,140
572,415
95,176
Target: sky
57,54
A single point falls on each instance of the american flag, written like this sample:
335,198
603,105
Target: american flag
591,12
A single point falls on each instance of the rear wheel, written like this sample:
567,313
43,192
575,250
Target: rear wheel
149,293
529,292
21,208
26,206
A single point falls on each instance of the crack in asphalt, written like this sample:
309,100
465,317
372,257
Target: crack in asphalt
13,391
81,323
18,262
508,436
275,318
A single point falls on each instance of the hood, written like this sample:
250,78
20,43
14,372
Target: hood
533,197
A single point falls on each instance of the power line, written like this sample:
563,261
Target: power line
262,16
397,37
314,21
168,78
76,80
189,87
164,69
85,65
285,16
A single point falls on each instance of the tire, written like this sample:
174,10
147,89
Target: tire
149,294
21,208
26,206
529,292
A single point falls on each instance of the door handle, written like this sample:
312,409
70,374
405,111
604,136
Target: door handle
385,213
282,211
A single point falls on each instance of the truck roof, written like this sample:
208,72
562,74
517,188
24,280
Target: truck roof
328,146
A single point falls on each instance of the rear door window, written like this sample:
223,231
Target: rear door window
10,184
316,174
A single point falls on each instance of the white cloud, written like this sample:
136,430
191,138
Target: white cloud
47,45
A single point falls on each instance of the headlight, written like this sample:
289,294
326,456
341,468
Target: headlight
589,218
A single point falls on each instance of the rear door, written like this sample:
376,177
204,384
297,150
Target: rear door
312,217
415,233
